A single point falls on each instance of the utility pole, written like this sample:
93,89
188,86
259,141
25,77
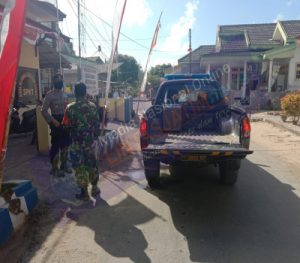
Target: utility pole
58,39
190,49
79,41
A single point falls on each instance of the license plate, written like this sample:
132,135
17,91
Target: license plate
194,158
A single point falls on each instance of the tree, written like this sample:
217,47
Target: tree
161,70
157,73
128,72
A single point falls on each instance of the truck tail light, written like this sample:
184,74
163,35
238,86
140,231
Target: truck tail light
144,133
246,127
143,127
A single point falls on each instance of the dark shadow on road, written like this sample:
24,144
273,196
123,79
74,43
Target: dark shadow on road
116,224
115,228
258,220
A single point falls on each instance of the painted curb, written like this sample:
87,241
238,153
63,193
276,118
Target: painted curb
10,222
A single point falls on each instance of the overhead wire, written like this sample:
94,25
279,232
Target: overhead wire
108,24
92,24
92,27
96,47
127,37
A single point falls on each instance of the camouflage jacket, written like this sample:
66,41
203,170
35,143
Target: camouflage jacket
82,120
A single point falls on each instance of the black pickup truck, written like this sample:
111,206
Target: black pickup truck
191,122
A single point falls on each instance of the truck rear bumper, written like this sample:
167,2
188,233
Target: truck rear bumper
206,153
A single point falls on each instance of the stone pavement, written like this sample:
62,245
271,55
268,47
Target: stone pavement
273,117
24,162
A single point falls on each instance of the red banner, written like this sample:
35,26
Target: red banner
11,34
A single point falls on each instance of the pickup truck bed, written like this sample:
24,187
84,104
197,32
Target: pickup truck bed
194,124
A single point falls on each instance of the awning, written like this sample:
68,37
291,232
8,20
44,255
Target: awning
281,53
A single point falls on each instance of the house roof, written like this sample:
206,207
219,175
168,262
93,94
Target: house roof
247,36
48,7
248,41
96,59
291,28
102,68
198,53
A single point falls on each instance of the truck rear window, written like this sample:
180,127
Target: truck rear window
206,93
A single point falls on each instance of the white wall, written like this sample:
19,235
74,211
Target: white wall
294,84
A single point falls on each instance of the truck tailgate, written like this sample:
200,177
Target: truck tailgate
211,144
196,138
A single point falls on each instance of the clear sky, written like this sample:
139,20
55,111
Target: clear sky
141,16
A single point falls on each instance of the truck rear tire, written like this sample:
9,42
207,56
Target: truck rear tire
229,171
152,171
175,170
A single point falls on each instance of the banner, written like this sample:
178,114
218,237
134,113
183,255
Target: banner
116,28
11,34
89,77
117,22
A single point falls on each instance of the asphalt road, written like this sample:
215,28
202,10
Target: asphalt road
192,219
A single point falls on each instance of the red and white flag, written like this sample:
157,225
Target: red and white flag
158,26
11,35
153,43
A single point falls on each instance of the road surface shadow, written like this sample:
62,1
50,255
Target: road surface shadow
258,220
115,228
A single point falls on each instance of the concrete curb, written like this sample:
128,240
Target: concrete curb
10,222
281,126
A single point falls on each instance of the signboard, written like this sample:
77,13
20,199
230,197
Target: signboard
89,77
27,86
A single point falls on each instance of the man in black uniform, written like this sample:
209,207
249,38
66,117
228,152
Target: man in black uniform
59,137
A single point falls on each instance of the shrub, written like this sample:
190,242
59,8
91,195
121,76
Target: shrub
290,103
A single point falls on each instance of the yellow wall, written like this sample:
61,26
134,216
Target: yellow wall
28,59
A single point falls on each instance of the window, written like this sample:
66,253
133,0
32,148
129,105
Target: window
298,71
208,93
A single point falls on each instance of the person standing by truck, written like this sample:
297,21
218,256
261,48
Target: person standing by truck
82,120
59,137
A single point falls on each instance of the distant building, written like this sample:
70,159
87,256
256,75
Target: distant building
262,60
263,57
195,58
93,73
39,56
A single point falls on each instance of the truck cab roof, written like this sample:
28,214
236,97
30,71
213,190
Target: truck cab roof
186,76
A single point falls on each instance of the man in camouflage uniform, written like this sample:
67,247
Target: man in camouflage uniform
82,121
59,137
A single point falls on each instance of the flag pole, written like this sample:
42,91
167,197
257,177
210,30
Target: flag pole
58,39
153,43
110,65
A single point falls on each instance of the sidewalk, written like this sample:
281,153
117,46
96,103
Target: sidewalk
274,118
23,162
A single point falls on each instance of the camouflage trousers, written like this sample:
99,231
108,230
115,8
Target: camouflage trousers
83,160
